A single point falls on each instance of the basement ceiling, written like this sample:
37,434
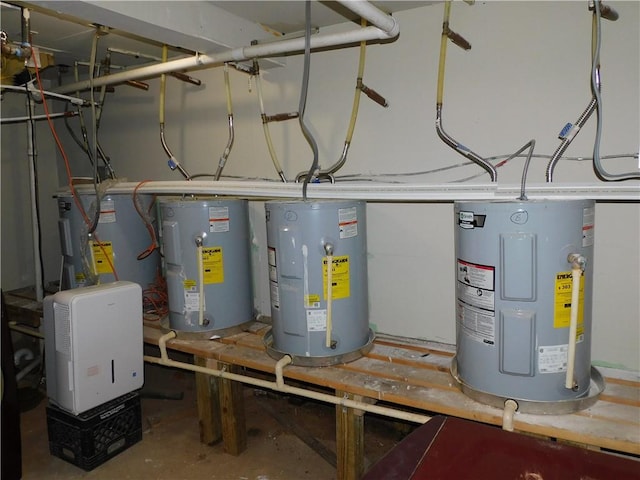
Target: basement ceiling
67,28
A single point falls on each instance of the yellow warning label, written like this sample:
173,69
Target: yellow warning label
339,277
312,301
562,302
102,257
189,284
80,277
213,265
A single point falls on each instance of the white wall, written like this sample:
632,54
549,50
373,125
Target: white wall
526,76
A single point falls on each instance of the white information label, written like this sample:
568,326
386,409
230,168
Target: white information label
476,297
316,320
588,226
218,219
107,211
474,275
552,358
477,324
348,222
275,294
191,301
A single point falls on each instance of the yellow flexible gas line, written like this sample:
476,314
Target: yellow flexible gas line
227,88
227,150
356,97
443,51
265,125
163,85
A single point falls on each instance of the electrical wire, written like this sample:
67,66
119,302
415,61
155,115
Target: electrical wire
153,246
34,157
531,145
354,115
94,154
155,299
67,166
595,84
303,100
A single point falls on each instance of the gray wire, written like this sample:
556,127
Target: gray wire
303,99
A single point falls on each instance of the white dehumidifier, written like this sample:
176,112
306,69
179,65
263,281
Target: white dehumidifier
93,344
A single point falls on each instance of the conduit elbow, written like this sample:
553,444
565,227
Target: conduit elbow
391,32
510,408
283,362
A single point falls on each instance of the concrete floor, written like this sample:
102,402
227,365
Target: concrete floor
171,448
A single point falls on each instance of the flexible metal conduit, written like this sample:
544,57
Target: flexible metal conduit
384,27
279,385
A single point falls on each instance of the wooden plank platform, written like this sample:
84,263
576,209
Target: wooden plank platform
415,374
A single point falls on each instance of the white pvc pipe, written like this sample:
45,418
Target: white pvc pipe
390,192
373,15
576,274
279,385
388,29
510,407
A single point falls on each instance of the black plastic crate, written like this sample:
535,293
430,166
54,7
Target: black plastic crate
93,437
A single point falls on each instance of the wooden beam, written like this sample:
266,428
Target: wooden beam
208,398
232,414
349,440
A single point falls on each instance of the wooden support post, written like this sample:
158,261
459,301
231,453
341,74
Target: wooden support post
349,440
208,398
234,424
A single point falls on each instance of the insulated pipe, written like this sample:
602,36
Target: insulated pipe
280,386
200,281
577,267
265,123
328,248
384,27
458,147
227,150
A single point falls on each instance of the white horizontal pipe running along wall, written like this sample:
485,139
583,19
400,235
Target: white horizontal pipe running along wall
526,76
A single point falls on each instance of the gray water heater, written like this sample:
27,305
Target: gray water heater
310,325
206,247
120,237
513,303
